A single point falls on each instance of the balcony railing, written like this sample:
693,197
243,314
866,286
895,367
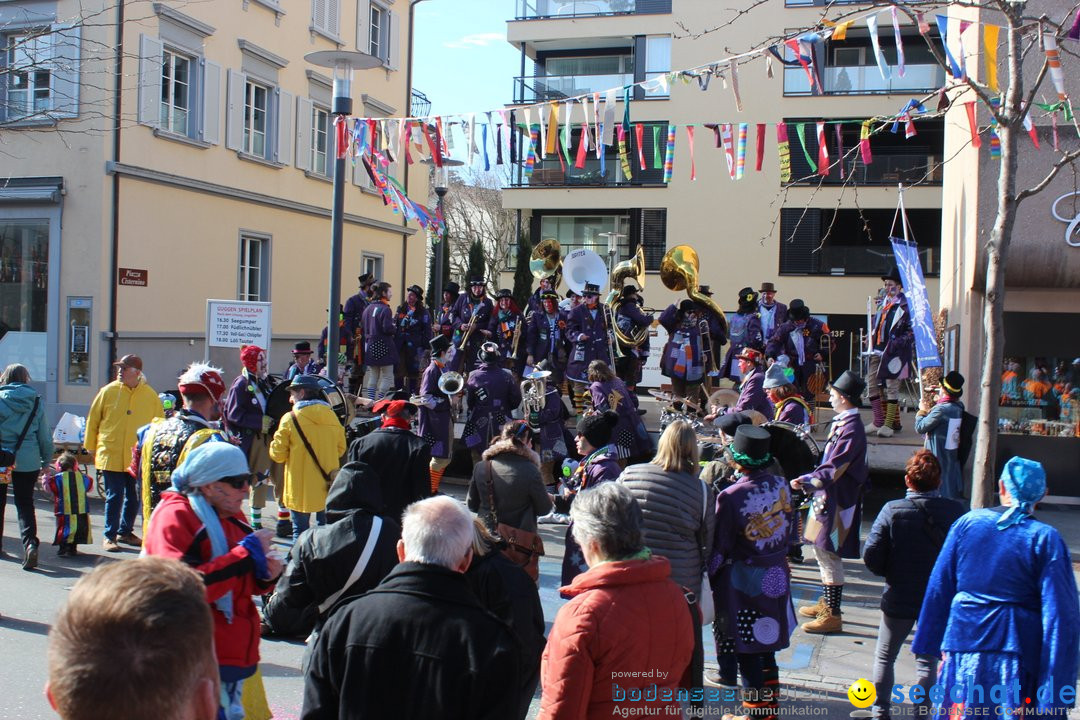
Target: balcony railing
551,174
541,88
532,9
865,80
887,168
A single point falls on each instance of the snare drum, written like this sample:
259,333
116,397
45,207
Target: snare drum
793,447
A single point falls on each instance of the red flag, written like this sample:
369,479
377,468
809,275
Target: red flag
976,141
639,136
690,142
582,146
823,150
341,127
760,146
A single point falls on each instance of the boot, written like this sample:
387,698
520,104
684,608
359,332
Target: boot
879,415
812,611
826,623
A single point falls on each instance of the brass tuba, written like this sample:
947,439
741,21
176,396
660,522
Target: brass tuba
633,268
451,383
546,261
679,271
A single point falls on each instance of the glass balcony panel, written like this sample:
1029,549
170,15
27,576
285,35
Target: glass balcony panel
529,9
865,80
540,88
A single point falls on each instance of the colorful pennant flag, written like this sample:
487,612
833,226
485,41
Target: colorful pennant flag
735,84
823,150
969,108
864,143
943,31
990,45
639,136
740,158
760,147
783,147
669,157
729,148
690,143
899,42
871,22
624,155
800,130
1053,63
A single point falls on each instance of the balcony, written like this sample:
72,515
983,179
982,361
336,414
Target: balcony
533,9
865,80
551,174
543,88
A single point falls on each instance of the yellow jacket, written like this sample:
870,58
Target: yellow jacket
116,413
305,487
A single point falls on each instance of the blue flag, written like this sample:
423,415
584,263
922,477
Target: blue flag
922,320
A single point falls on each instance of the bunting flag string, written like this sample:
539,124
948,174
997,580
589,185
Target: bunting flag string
784,149
690,144
800,130
740,157
669,157
760,147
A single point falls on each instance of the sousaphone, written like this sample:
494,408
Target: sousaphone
584,266
546,261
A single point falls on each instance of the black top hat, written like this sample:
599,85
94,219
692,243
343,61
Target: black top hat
894,275
452,287
751,446
476,281
366,279
953,384
591,289
747,296
687,306
301,347
704,290
729,422
504,293
571,293
851,386
629,290
598,429
439,343
767,287
419,291
798,310
489,353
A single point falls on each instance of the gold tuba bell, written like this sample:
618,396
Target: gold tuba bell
633,268
546,261
679,271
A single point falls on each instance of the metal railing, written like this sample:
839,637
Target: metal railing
551,174
887,167
421,106
541,88
532,9
865,80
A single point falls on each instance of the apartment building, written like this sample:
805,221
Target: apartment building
822,239
158,154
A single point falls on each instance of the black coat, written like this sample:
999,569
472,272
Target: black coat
401,455
323,558
418,646
902,547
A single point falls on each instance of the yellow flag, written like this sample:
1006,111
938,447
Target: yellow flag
990,43
552,129
839,29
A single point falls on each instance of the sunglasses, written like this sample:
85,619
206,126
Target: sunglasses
237,482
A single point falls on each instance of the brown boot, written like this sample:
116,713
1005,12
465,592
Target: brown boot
812,611
826,623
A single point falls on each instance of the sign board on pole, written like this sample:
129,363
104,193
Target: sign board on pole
233,323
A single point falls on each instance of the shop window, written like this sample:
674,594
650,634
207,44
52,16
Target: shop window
24,289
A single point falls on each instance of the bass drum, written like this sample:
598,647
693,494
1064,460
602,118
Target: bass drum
277,403
793,447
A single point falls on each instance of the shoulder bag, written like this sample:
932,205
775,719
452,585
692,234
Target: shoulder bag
7,457
937,535
524,548
328,476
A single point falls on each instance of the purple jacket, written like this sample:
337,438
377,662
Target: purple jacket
752,394
792,410
582,321
744,329
245,405
502,326
814,340
444,320
354,312
546,340
772,320
684,354
894,338
837,487
629,317
463,311
492,394
413,335
379,346
435,424
630,437
550,421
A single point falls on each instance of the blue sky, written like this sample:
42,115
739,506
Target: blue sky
462,60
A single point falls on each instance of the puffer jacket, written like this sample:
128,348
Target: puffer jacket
520,495
115,416
305,485
677,525
622,617
323,558
16,402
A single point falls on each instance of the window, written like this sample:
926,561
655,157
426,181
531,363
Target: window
29,71
587,231
320,133
255,119
325,17
254,268
175,92
371,264
376,32
657,62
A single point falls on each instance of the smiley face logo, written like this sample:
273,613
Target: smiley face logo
862,693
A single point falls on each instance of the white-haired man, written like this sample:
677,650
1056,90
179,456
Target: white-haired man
420,643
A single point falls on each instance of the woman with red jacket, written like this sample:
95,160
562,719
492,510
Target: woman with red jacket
200,521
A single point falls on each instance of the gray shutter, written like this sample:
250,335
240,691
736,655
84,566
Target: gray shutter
363,20
333,17
149,80
392,42
65,91
283,148
234,111
210,131
304,109
654,236
318,13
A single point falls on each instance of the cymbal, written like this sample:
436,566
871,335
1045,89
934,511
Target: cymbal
663,395
724,398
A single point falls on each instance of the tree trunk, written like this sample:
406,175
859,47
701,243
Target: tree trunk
984,477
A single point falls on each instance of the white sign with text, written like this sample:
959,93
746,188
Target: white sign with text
234,323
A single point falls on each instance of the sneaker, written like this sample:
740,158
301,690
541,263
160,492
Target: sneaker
827,623
130,539
871,428
62,550
812,611
885,431
110,545
30,559
284,529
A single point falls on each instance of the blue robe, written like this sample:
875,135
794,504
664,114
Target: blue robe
380,348
752,395
412,338
545,339
937,425
744,328
1003,605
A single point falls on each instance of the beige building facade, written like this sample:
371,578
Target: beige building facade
824,240
176,153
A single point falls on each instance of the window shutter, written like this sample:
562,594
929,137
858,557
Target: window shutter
363,20
304,108
234,112
65,90
318,13
333,17
392,43
210,130
799,236
283,148
654,236
149,80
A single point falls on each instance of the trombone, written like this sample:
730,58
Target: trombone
472,325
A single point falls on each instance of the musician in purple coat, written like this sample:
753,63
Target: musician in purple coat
492,394
836,490
684,354
472,310
631,439
548,423
444,314
744,329
507,324
804,340
246,419
545,337
752,389
436,424
587,330
893,340
631,320
773,314
782,393
354,315
536,300
412,338
380,348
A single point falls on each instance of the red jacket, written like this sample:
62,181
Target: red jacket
178,533
623,618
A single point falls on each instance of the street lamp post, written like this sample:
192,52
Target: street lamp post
442,184
343,63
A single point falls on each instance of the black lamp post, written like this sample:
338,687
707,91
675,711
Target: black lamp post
343,63
441,185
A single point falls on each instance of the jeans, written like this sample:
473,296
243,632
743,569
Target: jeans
302,521
892,633
121,503
23,483
695,672
232,700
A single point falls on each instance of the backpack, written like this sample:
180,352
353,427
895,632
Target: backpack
968,423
